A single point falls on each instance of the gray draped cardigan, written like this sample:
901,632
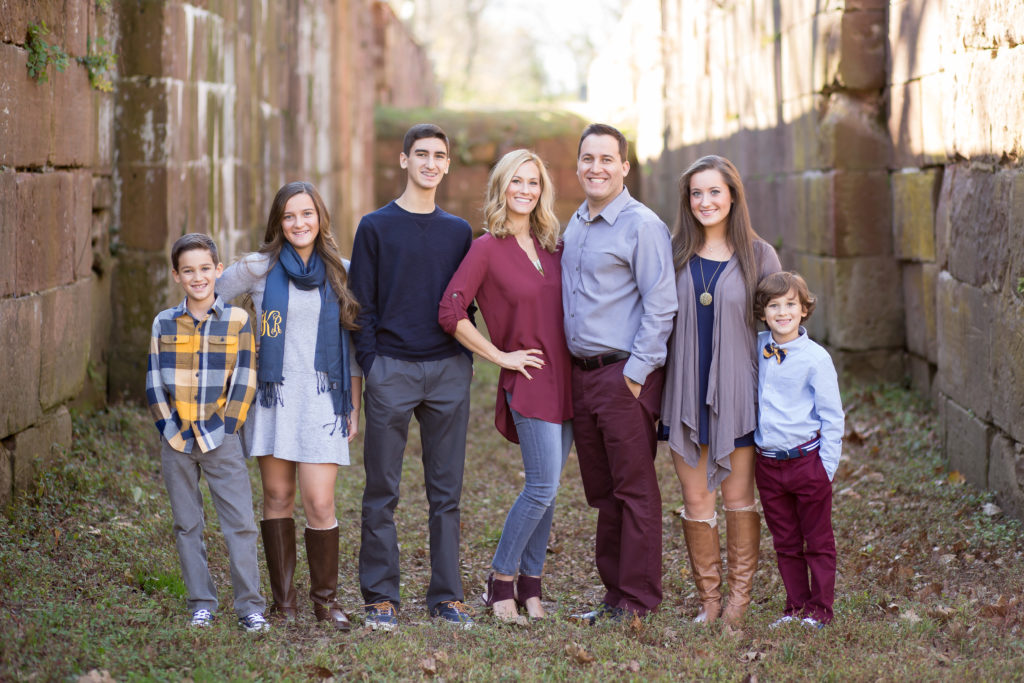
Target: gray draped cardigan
732,381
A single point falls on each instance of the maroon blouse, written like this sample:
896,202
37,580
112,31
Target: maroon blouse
523,310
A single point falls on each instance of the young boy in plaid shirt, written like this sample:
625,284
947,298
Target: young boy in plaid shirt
199,385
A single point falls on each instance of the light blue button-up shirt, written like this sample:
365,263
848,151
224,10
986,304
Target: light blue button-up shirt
798,398
618,285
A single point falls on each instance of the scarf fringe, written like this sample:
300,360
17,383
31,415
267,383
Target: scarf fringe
270,394
339,423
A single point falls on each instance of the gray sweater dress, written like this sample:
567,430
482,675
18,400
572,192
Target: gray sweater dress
301,429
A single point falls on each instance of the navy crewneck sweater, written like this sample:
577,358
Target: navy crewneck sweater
401,265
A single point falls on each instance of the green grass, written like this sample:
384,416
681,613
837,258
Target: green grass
928,586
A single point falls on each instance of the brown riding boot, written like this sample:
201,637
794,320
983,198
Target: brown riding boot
743,539
706,565
279,548
322,554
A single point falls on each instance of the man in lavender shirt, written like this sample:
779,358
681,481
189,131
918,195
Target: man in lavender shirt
619,298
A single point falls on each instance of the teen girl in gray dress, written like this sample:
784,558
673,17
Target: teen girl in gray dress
307,407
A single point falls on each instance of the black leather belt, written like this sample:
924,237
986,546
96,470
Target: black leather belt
595,362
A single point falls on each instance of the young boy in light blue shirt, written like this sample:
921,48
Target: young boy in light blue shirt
798,442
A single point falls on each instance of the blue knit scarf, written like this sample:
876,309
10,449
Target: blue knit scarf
331,359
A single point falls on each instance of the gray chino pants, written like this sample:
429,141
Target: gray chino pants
437,393
228,478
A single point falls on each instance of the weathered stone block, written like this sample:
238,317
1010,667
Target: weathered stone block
944,214
145,130
46,252
6,477
861,213
870,367
79,222
153,41
74,141
20,330
33,449
148,195
140,290
864,46
852,134
64,351
919,283
915,33
979,225
868,304
964,324
1006,474
934,93
986,119
914,197
25,111
102,193
9,229
1016,226
1007,379
987,24
967,439
802,146
922,375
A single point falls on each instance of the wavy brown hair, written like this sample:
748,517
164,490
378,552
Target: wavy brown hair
274,240
543,222
688,235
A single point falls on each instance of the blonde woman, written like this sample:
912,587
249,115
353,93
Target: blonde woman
514,274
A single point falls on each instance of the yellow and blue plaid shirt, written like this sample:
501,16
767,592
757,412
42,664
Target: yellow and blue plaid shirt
200,381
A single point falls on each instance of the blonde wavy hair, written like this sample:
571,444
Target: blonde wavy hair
543,222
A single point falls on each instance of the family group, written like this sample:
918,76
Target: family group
612,333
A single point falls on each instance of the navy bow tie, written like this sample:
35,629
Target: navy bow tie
773,349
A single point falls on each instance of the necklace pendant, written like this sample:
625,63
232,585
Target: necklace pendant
705,299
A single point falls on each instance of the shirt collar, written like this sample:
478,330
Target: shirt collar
610,212
797,343
216,309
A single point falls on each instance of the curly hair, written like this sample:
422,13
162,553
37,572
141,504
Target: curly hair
779,284
543,222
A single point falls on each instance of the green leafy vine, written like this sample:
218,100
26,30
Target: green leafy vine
99,63
41,54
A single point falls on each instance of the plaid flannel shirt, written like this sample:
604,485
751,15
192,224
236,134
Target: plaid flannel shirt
200,381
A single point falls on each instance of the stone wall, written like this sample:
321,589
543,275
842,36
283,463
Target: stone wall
880,142
216,103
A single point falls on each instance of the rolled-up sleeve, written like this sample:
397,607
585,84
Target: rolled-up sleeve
462,289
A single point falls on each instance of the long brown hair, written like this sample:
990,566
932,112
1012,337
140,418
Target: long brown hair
326,247
688,235
543,223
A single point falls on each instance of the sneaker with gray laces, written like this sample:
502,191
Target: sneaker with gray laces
381,616
455,613
253,623
201,618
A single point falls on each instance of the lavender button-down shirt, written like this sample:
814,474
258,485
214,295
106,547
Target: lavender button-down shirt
618,284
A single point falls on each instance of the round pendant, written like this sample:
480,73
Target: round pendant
705,299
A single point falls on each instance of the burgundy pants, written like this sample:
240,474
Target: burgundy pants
616,441
796,496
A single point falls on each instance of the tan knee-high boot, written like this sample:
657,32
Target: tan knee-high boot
279,548
322,554
706,565
743,539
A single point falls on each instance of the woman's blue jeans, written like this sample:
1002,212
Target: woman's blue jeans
524,539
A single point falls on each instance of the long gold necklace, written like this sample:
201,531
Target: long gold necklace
705,298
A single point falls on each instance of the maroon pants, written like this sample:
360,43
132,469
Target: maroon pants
616,442
796,496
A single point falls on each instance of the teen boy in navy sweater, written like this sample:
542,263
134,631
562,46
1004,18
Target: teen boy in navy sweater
403,257
799,439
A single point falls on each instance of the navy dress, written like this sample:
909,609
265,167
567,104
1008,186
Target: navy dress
705,331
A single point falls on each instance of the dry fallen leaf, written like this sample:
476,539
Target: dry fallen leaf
991,509
633,666
428,666
955,477
96,676
929,590
578,654
752,656
911,616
